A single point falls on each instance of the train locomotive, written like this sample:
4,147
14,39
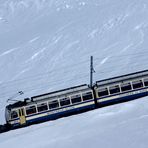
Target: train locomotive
74,100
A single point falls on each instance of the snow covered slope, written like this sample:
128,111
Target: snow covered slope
123,125
45,45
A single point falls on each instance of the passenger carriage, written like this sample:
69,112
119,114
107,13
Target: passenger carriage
50,106
123,88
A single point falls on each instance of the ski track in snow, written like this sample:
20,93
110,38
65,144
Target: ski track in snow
36,55
56,39
34,39
112,23
111,46
70,45
104,60
126,48
3,20
93,33
9,51
140,29
20,73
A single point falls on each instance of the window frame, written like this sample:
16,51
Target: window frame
135,82
87,95
53,102
106,89
126,84
65,99
41,105
144,81
73,97
114,87
35,106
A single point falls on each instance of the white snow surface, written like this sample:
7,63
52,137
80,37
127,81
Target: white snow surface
45,45
123,125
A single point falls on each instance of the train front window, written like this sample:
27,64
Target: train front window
114,89
126,87
65,101
137,84
87,96
31,110
14,114
42,107
76,99
103,92
53,104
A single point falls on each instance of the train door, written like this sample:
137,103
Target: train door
22,116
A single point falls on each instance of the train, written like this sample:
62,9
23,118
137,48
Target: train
75,100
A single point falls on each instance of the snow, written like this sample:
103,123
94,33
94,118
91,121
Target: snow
34,39
45,45
123,125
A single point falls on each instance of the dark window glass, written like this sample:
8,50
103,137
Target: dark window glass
137,84
126,87
20,113
22,110
53,104
64,102
87,96
146,82
102,92
30,110
14,115
114,89
42,107
76,99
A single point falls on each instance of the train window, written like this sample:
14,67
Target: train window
126,86
146,82
53,104
64,101
114,89
42,107
30,110
23,114
76,99
103,92
87,96
137,84
14,114
20,113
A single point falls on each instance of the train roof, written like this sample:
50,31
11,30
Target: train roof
123,78
16,104
53,94
61,92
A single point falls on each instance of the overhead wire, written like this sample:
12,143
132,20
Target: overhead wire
54,83
47,73
68,70
70,67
